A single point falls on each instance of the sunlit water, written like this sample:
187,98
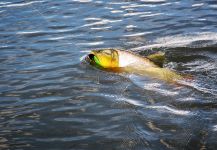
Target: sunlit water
49,99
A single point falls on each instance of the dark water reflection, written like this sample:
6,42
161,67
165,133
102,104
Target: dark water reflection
50,100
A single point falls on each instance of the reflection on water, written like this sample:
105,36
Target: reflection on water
49,99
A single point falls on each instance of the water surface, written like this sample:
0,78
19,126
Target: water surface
49,99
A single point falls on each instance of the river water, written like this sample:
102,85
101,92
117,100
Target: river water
50,99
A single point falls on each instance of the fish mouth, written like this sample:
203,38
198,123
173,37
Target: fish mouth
91,56
93,59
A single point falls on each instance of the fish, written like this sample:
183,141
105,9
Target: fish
117,60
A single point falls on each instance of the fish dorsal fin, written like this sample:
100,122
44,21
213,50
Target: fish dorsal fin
158,58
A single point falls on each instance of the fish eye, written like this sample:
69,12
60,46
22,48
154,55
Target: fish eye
91,56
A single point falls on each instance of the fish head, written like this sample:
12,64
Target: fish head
105,58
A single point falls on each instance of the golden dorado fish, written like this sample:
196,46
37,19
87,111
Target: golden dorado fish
124,61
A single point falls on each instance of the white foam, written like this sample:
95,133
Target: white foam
152,85
180,40
157,87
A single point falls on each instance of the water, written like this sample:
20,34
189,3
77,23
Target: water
49,99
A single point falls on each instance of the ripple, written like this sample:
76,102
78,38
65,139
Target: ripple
151,15
82,1
102,28
215,128
32,33
180,40
136,13
49,99
152,85
64,139
101,22
20,4
91,44
75,120
198,5
213,6
116,11
155,1
46,99
170,110
137,34
132,101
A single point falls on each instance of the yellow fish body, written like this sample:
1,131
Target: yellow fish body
124,61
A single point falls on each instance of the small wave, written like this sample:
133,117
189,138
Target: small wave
131,101
169,109
198,5
151,85
101,28
199,88
133,6
136,13
102,22
213,6
130,26
151,15
28,32
156,1
74,120
180,40
20,4
215,128
82,1
64,139
118,3
116,11
92,19
3,3
137,34
157,88
91,44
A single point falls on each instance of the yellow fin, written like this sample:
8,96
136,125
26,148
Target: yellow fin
158,58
